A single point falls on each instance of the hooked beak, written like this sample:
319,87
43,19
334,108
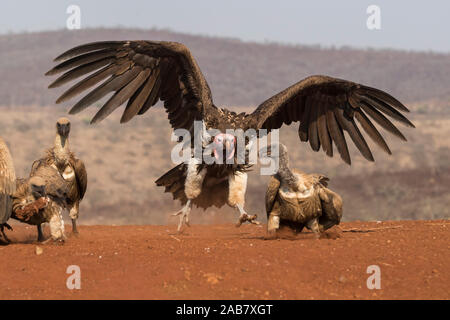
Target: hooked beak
63,131
38,193
229,148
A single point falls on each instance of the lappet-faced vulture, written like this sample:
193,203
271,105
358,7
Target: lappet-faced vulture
139,73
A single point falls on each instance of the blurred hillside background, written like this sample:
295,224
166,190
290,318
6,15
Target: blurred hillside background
123,161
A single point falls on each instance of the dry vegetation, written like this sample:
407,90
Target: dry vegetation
239,73
123,161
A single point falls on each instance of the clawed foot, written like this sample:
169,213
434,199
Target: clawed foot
59,241
184,215
313,225
247,218
271,234
7,226
5,239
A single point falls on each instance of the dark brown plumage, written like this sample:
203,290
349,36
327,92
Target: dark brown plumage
297,199
143,72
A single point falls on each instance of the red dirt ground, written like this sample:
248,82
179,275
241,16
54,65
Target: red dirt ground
224,262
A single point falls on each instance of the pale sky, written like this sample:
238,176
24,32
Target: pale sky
409,25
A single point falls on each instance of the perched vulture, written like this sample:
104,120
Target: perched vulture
296,199
7,187
41,199
142,72
72,169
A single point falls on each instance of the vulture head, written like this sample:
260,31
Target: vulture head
37,187
282,159
63,127
224,146
281,155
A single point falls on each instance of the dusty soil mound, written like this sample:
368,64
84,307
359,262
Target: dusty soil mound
223,262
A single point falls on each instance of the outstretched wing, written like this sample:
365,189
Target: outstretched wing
140,72
326,107
7,172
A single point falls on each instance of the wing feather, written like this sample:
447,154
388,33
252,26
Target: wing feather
7,171
141,96
79,71
304,123
382,120
371,130
122,95
87,48
328,106
322,128
383,96
173,76
338,136
153,97
386,109
350,126
88,82
114,83
82,60
313,133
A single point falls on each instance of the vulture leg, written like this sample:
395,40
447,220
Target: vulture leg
236,197
73,213
273,221
192,188
40,234
74,226
57,225
184,214
313,225
244,216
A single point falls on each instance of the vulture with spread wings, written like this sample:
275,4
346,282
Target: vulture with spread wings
142,72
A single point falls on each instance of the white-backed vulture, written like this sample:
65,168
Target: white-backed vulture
71,168
7,187
41,199
143,72
297,199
